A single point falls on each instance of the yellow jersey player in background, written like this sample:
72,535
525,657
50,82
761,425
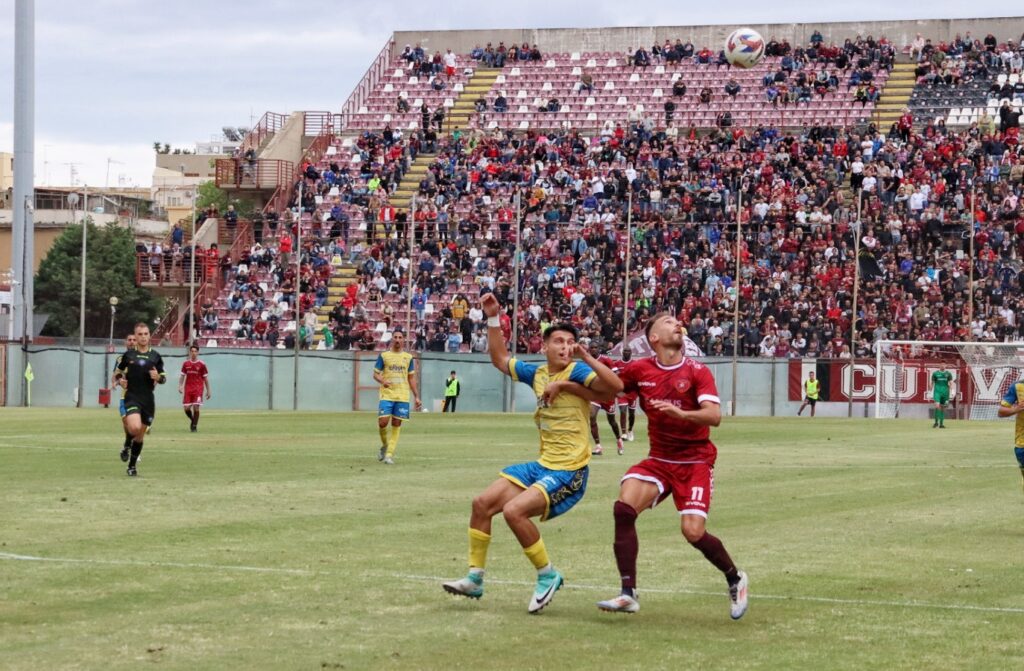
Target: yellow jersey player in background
1013,404
395,372
556,481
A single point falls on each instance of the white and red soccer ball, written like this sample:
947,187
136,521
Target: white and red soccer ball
744,48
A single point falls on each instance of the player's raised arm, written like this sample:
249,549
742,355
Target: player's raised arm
495,338
607,384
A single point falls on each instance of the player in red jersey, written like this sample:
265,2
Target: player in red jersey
609,409
681,402
194,377
626,401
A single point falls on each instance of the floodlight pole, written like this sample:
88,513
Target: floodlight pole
629,253
970,267
736,297
192,273
298,299
410,223
73,200
853,310
515,298
23,230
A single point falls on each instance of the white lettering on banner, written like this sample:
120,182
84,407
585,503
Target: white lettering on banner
906,375
863,380
988,390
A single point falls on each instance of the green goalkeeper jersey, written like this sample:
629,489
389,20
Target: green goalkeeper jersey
940,382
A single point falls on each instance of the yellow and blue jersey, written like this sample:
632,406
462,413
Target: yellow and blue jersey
395,368
1015,392
565,424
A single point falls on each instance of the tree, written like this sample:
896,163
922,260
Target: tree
210,194
110,271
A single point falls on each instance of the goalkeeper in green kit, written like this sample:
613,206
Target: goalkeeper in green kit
940,394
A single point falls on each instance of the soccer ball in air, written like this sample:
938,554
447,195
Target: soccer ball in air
744,48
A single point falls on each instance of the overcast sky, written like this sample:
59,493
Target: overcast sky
114,76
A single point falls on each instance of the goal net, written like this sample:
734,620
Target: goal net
982,374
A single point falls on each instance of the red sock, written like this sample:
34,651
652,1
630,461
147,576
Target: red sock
627,545
714,552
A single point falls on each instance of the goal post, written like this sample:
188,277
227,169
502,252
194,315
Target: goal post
982,374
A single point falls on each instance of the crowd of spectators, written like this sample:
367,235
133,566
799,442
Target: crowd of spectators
797,193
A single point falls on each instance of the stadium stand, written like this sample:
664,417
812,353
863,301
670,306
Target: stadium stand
800,167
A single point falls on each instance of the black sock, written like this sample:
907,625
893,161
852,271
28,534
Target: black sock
136,451
195,417
127,440
188,413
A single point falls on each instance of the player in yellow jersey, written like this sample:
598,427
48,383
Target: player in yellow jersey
556,481
1013,404
395,372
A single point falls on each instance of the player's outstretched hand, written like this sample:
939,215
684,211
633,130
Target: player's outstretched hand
669,409
551,392
490,305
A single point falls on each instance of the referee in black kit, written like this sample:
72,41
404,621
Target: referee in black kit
139,372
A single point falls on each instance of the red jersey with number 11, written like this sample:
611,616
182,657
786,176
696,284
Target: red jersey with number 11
685,385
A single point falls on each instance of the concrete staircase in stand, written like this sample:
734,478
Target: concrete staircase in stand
895,96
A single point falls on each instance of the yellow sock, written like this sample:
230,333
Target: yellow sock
538,554
393,441
383,430
478,544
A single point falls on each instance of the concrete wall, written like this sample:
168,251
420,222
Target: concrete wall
286,145
343,381
567,40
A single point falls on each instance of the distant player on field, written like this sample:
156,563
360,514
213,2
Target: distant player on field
141,370
940,394
812,387
609,410
129,345
194,377
1013,404
681,402
395,372
557,480
626,401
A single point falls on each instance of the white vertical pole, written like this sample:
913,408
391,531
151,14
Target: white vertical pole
23,231
853,311
192,274
410,223
736,299
515,295
81,303
298,293
629,252
878,377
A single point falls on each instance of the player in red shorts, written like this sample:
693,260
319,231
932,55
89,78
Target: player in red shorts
194,377
626,402
609,409
681,402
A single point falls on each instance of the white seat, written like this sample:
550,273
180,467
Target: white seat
609,86
1014,78
577,70
591,63
414,80
537,102
657,93
418,102
335,191
449,102
574,56
347,142
547,87
492,125
381,327
523,109
963,121
363,110
954,111
1001,79
634,77
500,79
515,72
550,63
458,87
565,109
388,88
386,337
321,346
399,72
387,118
521,94
428,308
404,95
592,116
612,63
621,100
660,70
524,125
590,101
412,126
211,343
331,151
234,325
639,107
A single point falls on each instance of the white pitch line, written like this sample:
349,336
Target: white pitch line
129,562
518,583
754,596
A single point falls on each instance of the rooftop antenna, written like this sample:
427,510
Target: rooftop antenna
106,182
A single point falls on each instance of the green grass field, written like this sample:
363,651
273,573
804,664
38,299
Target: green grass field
277,541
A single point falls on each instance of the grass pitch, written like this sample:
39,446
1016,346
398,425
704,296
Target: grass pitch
277,541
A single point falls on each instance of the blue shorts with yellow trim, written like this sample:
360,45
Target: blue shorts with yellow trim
399,409
562,489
